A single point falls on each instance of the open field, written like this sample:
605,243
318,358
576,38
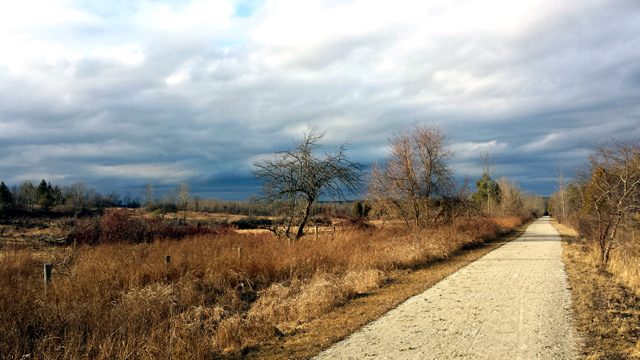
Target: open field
211,300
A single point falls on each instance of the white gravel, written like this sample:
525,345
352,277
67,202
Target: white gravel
513,303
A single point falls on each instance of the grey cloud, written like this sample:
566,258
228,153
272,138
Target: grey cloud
535,97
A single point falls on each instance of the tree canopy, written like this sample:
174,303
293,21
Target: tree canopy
415,173
488,191
300,177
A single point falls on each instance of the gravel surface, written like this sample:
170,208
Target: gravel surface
513,303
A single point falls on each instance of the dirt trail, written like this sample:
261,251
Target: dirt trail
514,303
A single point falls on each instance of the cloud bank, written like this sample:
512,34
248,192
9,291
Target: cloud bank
119,94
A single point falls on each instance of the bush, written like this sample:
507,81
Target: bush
84,231
357,222
119,226
252,223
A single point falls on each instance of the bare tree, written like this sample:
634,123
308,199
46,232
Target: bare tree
562,193
612,193
298,178
183,193
253,200
171,198
415,173
168,204
77,197
533,204
149,195
197,200
28,195
510,198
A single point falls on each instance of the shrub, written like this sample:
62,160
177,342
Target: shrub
119,226
84,231
252,223
357,222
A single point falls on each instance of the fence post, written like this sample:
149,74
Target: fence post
167,259
47,274
240,255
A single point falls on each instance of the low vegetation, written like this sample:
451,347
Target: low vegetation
123,300
602,204
607,310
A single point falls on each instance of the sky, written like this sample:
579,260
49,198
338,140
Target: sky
117,94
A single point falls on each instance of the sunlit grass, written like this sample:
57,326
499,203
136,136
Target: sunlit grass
606,300
125,301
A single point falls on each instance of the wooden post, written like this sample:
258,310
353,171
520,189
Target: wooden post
47,274
167,259
316,230
240,255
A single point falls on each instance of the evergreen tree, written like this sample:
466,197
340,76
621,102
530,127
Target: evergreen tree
57,195
45,193
358,209
6,198
366,208
488,191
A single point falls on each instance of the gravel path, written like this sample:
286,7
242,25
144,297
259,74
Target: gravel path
513,303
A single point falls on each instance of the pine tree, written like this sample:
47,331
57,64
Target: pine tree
366,208
6,198
45,193
488,191
358,209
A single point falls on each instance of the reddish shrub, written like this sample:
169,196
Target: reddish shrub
357,222
118,226
168,232
84,231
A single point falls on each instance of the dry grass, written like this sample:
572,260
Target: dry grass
607,310
122,300
331,327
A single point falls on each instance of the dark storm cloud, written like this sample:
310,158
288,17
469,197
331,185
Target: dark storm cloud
118,95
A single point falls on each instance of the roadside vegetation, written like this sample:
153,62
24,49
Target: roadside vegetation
599,216
166,278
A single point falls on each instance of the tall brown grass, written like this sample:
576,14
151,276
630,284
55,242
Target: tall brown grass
607,310
117,301
624,259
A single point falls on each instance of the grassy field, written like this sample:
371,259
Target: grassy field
606,301
119,300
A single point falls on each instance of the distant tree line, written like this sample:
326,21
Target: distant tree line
414,185
79,199
75,198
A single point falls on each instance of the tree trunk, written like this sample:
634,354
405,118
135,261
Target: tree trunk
307,211
612,237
